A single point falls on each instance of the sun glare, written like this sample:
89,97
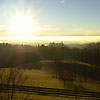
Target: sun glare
22,25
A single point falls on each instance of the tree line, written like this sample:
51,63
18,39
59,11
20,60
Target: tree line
17,55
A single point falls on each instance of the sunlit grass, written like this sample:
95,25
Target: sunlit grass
42,79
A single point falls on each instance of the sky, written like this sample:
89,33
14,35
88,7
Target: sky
50,18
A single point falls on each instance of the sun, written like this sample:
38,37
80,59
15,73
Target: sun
22,24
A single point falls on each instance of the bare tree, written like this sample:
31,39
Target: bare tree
11,76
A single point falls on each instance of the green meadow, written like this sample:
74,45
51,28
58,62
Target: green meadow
41,78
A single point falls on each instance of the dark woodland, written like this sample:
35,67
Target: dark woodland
64,62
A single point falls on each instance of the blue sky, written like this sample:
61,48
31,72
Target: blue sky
55,17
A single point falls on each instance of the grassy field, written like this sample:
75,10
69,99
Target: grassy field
42,79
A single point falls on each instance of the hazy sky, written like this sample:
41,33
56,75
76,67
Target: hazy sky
54,17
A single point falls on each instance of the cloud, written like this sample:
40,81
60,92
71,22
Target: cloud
56,31
62,1
83,32
50,28
4,30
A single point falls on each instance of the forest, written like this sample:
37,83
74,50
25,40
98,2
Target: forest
15,55
64,62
